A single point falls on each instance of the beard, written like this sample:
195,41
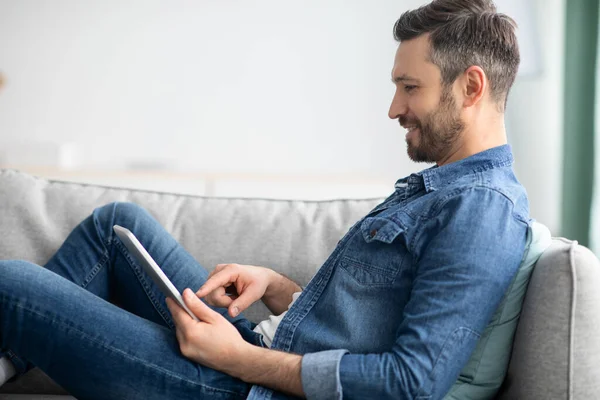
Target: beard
438,131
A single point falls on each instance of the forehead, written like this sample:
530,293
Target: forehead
412,59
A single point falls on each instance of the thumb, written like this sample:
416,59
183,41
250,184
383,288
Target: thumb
201,310
245,300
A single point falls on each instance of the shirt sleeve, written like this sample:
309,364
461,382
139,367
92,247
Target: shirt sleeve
321,375
467,255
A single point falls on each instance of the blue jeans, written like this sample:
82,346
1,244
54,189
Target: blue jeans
65,320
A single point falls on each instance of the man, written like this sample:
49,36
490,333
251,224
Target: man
395,311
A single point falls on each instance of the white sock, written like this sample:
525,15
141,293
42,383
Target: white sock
7,370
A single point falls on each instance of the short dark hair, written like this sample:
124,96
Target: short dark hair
464,33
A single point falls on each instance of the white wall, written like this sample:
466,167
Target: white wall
535,118
214,85
263,87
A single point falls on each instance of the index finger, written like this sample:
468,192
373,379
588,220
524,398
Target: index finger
216,281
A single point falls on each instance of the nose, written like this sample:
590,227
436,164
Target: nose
398,107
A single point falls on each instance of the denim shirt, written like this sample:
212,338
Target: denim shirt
398,307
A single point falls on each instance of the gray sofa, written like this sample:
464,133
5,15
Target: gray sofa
556,353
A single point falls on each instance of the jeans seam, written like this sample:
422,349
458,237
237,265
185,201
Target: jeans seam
94,271
118,351
145,285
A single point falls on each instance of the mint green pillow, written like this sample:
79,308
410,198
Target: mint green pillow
484,373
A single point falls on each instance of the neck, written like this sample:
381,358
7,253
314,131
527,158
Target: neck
479,137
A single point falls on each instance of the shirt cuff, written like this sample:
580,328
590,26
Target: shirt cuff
321,374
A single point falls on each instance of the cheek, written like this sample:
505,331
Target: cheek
423,106
416,110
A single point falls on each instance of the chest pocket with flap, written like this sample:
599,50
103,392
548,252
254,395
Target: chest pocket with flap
375,253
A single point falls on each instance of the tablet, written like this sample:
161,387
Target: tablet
151,267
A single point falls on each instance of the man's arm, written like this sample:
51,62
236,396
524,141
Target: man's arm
467,253
270,368
278,295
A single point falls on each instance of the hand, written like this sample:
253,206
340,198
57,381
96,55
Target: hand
213,341
249,283
217,344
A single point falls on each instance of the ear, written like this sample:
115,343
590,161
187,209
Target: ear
475,85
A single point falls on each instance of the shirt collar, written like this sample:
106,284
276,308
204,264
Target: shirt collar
436,177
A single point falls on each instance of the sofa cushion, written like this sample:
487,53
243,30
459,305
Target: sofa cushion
484,373
556,352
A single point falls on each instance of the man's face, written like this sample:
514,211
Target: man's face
423,106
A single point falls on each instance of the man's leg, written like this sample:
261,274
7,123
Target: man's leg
93,348
95,258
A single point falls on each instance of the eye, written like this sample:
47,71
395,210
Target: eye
409,88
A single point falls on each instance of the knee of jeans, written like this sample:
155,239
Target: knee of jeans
119,213
17,274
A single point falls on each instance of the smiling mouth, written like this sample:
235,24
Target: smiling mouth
411,131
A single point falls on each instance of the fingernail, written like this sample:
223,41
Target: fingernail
235,311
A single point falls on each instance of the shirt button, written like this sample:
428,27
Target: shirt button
373,233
